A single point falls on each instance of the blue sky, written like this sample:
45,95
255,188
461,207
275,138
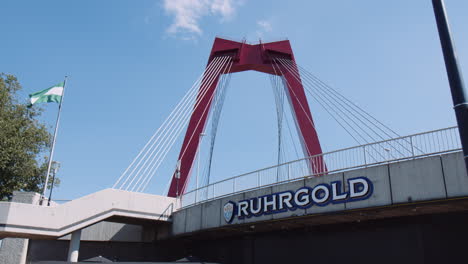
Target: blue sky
130,62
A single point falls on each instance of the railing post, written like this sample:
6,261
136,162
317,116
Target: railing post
277,173
214,191
196,195
322,165
289,165
234,185
313,165
258,179
412,147
364,152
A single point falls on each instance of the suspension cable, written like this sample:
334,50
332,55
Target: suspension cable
200,97
357,109
198,123
168,119
330,97
332,109
335,108
167,131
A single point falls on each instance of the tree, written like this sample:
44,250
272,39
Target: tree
22,141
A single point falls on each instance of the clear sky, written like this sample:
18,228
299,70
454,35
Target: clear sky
130,62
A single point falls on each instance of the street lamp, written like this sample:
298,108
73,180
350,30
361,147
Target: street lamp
55,167
457,86
177,176
388,154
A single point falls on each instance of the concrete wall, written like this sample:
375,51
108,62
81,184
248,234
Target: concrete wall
14,250
109,231
430,178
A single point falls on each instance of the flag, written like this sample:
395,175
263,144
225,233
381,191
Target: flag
52,94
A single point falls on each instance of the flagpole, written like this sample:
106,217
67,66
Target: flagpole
53,144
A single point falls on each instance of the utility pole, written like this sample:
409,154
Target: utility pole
457,87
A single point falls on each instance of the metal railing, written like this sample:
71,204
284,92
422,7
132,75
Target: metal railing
392,150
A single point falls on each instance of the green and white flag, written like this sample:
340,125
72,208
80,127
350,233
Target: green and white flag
52,94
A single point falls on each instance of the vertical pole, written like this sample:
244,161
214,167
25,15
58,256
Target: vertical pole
74,249
258,179
198,165
364,152
53,143
51,188
177,175
177,192
54,173
412,146
455,78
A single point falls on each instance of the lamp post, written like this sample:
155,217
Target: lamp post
177,176
55,167
457,87
388,154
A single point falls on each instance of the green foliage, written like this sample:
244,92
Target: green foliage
22,140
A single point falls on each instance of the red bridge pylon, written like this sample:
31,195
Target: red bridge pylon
248,57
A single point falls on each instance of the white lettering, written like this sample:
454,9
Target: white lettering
301,197
335,193
271,203
259,206
359,188
316,190
242,208
354,191
285,199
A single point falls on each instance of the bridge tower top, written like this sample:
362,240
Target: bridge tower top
232,56
255,57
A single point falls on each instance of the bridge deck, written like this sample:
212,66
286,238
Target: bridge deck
418,186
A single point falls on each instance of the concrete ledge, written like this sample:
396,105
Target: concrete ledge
211,217
456,178
193,218
406,182
330,207
178,222
380,178
417,180
109,231
57,221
